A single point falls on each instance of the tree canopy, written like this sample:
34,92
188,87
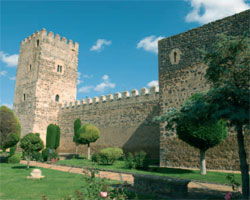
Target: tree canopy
9,128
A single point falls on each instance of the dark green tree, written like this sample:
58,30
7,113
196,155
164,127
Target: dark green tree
229,75
77,126
87,134
194,126
31,143
53,137
9,128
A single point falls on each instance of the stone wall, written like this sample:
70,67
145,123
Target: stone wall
124,119
181,73
39,81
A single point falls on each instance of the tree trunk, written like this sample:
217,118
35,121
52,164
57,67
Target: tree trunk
28,162
203,169
88,152
244,168
76,150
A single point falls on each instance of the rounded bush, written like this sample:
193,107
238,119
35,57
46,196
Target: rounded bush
108,156
14,159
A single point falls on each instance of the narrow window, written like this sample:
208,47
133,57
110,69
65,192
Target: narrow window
30,67
175,56
37,43
58,68
57,98
24,97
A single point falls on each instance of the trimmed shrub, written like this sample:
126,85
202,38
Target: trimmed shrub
139,160
14,159
48,154
37,156
53,136
12,150
87,134
129,161
108,156
95,157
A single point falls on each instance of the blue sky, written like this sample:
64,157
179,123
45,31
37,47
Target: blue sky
118,39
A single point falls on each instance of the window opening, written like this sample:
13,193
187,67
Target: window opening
24,97
30,67
37,43
175,56
57,98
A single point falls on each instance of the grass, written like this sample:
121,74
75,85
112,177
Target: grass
212,177
55,185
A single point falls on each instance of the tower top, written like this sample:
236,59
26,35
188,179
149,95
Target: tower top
50,36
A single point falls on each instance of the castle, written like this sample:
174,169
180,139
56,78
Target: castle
45,93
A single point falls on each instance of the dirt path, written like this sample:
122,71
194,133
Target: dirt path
192,186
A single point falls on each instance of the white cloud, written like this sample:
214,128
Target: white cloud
153,83
13,78
99,45
81,77
205,11
149,43
86,76
105,77
10,60
3,73
106,84
85,89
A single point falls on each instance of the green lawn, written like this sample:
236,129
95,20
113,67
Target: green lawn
212,177
55,185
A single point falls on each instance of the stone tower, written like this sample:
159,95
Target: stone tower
46,77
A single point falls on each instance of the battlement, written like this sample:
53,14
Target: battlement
113,97
43,35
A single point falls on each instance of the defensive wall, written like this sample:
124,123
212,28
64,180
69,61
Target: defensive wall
181,73
124,120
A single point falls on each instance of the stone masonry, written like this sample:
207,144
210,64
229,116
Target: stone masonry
45,93
181,74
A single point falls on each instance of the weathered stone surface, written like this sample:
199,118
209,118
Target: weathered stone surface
183,76
36,174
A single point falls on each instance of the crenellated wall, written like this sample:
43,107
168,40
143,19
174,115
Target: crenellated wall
124,119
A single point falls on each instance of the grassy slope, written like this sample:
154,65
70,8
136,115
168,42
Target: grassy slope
56,184
213,177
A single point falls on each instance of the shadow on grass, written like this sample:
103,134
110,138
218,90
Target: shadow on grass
3,159
22,167
171,170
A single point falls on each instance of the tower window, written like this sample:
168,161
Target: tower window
59,68
57,98
24,97
175,56
30,67
37,43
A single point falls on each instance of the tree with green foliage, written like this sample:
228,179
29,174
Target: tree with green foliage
229,75
195,127
87,134
30,144
9,128
53,137
77,126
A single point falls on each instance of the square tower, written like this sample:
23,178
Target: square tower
46,77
